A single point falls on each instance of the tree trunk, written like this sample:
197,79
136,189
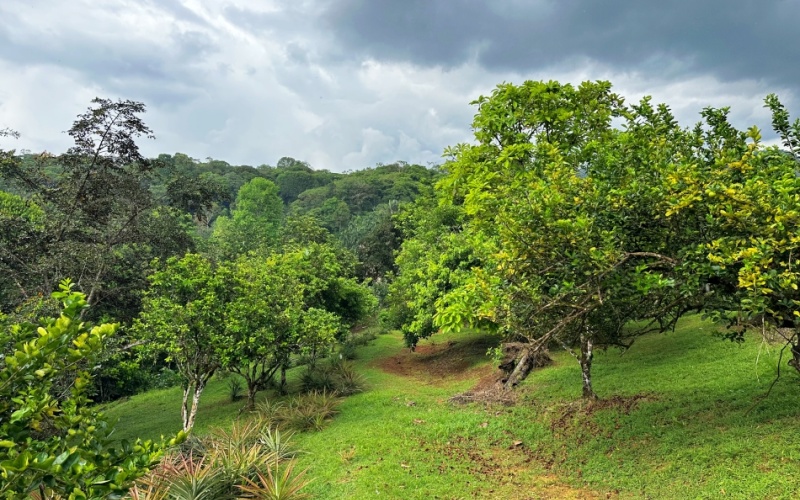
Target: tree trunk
519,360
587,347
521,370
198,389
252,389
184,405
283,379
189,410
795,361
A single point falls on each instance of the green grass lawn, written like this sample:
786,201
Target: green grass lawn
681,417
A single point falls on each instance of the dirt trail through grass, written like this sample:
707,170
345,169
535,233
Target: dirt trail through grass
509,471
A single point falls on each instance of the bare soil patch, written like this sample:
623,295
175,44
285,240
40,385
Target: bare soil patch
510,468
442,362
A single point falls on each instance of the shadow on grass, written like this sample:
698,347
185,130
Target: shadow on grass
442,359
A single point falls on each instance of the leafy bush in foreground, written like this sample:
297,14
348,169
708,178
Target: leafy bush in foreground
60,446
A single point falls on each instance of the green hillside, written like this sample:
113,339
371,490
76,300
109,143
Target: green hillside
681,415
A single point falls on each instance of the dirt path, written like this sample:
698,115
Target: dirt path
442,362
511,469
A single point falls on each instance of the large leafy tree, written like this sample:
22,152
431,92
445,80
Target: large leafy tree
254,223
60,447
97,200
561,212
746,198
434,259
249,316
268,319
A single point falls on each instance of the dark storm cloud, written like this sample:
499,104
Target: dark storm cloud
731,39
348,83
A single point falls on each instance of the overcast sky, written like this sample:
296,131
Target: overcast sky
345,84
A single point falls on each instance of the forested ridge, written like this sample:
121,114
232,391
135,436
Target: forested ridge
573,222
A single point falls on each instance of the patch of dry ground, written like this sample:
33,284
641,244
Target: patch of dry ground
442,363
512,470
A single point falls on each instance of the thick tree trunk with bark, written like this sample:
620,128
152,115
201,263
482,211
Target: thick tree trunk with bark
252,390
519,359
194,388
587,351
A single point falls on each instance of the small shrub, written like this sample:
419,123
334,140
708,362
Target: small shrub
242,433
269,412
279,443
319,378
335,376
348,351
280,482
310,411
182,477
348,380
238,453
246,461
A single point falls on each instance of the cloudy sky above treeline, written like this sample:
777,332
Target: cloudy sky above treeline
346,84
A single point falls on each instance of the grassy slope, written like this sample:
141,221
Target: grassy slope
689,433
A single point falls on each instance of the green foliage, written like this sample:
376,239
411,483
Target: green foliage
745,199
184,478
279,443
183,318
310,411
434,259
565,236
227,463
374,240
100,221
337,376
270,316
279,483
358,208
301,230
198,195
22,224
60,446
254,222
235,388
250,316
306,412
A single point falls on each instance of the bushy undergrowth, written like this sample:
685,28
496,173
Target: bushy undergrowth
348,350
301,413
251,460
337,376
